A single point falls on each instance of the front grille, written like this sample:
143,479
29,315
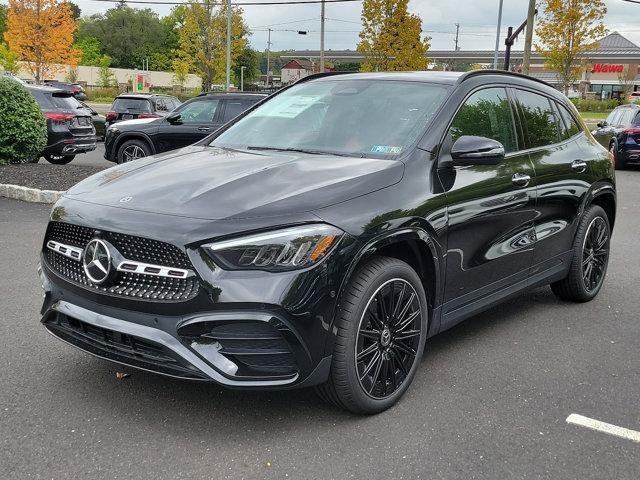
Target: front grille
126,284
121,347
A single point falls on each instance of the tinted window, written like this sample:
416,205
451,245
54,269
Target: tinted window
569,127
627,117
354,117
539,121
613,117
161,105
42,99
636,119
234,108
65,101
486,113
131,105
200,111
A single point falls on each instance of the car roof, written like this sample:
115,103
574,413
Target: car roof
45,89
628,105
143,95
233,94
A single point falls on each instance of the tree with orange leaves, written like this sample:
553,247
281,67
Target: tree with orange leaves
40,32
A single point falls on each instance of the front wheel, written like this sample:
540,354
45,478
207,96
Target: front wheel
590,258
132,150
381,332
59,159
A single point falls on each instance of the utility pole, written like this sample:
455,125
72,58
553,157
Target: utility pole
495,53
268,55
242,78
322,37
528,39
228,45
457,32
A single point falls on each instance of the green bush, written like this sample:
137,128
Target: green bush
23,129
102,95
595,105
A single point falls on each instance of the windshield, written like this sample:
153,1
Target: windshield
131,104
348,117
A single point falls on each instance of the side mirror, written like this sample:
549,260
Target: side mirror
174,118
472,150
601,124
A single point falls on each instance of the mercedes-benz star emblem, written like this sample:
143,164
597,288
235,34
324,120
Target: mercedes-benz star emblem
96,261
125,199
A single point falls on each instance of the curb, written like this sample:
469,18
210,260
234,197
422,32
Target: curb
26,194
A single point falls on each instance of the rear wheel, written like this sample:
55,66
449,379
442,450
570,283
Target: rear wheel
133,150
382,329
619,164
590,258
59,159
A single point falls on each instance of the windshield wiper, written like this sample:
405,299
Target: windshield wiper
300,150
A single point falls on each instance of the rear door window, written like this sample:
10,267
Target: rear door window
627,117
569,127
486,113
613,117
540,123
233,108
131,105
43,99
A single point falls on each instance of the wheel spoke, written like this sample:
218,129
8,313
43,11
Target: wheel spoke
376,372
372,334
408,321
404,310
392,368
367,351
394,313
382,308
371,364
407,334
399,362
403,348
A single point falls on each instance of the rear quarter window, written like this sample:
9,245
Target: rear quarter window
540,122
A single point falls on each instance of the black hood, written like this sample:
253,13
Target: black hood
213,183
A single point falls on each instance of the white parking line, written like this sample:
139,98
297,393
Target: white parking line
587,422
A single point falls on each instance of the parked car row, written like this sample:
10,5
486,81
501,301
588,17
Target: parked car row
620,134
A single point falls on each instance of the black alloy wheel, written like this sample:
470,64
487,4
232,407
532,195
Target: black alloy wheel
133,150
381,329
590,258
388,338
595,254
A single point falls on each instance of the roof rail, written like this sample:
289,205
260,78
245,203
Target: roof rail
477,73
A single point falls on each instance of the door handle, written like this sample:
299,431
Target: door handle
203,129
579,165
520,179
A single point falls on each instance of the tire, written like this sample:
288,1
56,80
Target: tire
352,383
590,258
133,150
59,159
618,163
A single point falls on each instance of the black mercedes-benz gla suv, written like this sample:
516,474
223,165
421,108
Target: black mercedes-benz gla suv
322,236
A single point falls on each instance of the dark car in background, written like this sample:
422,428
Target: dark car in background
129,106
320,238
99,121
73,88
69,126
191,122
620,134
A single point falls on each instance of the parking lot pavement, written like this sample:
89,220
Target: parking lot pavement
95,158
490,400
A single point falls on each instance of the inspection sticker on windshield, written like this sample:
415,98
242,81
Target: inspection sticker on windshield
385,149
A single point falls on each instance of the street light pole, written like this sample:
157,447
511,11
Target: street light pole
495,53
268,56
228,45
322,37
242,78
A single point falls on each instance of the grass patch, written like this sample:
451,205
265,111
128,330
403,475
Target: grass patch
595,115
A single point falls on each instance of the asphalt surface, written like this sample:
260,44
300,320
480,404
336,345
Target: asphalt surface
93,159
489,401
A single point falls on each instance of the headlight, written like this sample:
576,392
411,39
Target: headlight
287,249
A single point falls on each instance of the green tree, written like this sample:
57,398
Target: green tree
75,10
90,51
250,59
391,38
567,30
106,78
203,40
180,69
8,59
347,67
127,35
3,20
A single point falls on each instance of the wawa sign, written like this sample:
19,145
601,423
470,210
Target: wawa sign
606,68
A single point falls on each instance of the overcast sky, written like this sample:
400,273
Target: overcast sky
477,19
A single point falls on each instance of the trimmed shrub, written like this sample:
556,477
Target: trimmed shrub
23,129
595,105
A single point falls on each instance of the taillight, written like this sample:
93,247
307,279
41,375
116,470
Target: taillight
110,116
148,115
59,117
632,131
